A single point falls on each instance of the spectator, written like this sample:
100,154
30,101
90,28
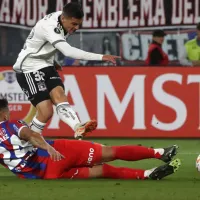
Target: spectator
156,55
191,53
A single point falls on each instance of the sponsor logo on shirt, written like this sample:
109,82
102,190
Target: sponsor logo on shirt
55,77
57,30
90,156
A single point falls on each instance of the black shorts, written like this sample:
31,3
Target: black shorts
37,85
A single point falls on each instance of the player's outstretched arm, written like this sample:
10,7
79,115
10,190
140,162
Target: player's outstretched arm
76,53
57,40
38,141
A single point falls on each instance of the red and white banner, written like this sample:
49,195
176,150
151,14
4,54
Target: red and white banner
126,101
106,14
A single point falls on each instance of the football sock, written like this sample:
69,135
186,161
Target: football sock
122,172
159,151
37,126
67,114
133,153
148,172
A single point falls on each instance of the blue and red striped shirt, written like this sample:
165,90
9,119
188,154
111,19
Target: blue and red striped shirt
20,156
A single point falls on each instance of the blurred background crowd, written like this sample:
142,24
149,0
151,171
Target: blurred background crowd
125,28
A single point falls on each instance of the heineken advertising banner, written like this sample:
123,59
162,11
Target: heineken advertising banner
125,101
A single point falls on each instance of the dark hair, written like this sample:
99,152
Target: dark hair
3,104
159,33
198,26
73,9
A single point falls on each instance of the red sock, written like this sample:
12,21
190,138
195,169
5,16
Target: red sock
132,153
122,172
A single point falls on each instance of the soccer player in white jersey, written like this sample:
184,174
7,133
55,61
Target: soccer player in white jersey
26,154
37,75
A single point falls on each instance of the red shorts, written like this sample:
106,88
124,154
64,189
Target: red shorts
78,154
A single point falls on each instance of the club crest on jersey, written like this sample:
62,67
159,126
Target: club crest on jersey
42,86
3,135
57,30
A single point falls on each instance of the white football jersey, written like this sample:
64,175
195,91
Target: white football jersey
39,50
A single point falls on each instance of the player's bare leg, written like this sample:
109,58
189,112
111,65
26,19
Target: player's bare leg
31,113
44,113
68,115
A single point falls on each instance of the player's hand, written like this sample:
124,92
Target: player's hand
57,66
110,58
55,155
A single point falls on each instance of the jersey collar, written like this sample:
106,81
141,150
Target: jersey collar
59,21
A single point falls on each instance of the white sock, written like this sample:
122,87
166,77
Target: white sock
67,114
37,126
148,172
160,151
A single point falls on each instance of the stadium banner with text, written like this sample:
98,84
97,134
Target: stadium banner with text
104,14
134,45
126,101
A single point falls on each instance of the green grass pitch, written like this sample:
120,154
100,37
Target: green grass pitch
183,185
